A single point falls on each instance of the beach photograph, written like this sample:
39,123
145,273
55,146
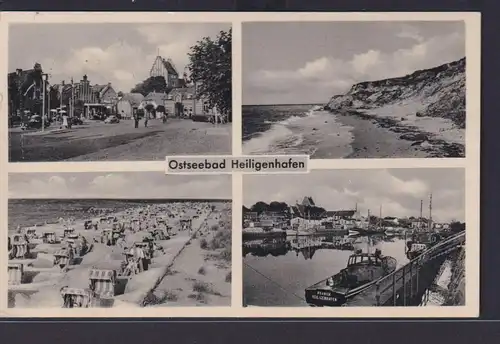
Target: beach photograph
131,239
355,238
118,91
354,89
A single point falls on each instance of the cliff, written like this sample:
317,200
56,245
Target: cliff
435,92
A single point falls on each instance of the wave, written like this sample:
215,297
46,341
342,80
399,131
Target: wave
279,137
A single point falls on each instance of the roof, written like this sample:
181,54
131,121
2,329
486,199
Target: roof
183,90
169,66
98,88
102,274
308,201
133,98
75,291
62,253
156,97
342,213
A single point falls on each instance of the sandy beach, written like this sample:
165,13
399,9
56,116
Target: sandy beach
380,133
41,283
94,141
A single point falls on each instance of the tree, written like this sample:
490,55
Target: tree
210,67
260,207
152,84
278,207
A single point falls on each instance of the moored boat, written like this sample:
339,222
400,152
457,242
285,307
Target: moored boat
255,233
361,271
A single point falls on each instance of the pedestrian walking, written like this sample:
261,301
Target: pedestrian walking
136,121
146,120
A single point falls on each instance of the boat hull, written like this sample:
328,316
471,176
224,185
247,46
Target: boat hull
324,298
262,235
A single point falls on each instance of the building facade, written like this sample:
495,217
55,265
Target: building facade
128,105
165,68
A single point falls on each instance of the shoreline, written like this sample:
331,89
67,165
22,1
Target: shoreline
382,137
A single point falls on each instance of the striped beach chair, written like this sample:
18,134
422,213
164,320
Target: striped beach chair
19,250
49,238
68,231
76,297
63,258
102,283
15,273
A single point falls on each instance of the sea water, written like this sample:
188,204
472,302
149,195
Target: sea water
294,129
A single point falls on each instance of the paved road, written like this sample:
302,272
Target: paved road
95,141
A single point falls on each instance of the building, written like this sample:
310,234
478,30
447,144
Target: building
25,90
128,105
86,99
154,103
165,68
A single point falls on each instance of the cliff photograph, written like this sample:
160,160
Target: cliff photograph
355,89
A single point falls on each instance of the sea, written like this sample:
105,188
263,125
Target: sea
275,274
30,212
294,129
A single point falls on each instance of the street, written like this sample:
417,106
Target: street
96,141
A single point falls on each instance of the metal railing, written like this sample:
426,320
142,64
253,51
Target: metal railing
396,283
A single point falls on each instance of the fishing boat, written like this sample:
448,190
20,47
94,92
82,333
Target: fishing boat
250,233
422,238
353,232
362,270
371,229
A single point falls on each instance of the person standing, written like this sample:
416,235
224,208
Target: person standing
65,120
136,121
146,118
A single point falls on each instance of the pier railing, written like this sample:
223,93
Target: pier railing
406,285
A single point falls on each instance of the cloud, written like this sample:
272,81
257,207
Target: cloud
411,32
117,185
318,79
124,62
398,193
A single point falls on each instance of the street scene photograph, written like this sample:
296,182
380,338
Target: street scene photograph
131,239
355,238
356,89
118,92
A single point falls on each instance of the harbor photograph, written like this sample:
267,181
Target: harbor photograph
355,89
355,238
118,91
129,240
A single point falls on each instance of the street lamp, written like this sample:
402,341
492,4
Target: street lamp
44,91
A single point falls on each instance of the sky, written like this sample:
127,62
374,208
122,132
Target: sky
309,62
118,185
398,191
118,53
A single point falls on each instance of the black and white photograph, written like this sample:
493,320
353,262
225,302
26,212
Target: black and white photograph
355,238
354,89
118,91
129,240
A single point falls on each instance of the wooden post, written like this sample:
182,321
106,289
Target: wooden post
411,280
404,285
394,300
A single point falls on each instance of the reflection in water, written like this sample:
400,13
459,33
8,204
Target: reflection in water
277,270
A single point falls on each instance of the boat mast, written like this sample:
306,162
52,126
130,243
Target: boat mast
420,218
430,213
380,218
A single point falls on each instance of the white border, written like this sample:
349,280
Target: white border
471,163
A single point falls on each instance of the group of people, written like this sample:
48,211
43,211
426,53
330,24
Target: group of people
146,120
